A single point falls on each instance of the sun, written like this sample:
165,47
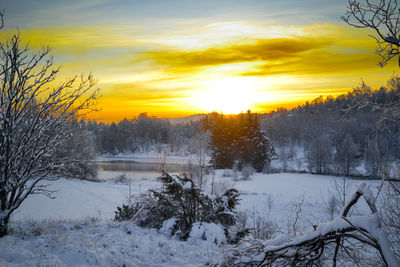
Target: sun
229,95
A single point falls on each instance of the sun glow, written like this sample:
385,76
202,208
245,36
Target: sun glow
229,95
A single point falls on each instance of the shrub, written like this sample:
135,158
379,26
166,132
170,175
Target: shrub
247,172
181,199
121,179
124,213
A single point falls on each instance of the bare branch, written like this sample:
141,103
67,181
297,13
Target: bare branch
306,249
383,18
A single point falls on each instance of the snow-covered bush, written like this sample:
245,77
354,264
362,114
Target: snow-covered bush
124,213
121,179
227,173
144,211
208,231
180,199
221,185
255,225
247,172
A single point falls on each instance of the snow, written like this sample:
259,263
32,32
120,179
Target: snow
168,226
103,244
187,186
77,199
211,232
78,230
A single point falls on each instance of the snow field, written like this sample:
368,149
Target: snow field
78,229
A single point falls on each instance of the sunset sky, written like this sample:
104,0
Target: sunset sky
176,58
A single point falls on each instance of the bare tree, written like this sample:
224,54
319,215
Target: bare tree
340,234
382,17
35,110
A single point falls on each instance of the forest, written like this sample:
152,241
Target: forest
328,135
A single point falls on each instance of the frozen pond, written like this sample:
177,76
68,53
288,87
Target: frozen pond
143,163
131,175
130,165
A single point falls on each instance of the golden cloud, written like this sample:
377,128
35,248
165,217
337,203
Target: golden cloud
258,50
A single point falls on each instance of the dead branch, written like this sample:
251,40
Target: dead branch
307,249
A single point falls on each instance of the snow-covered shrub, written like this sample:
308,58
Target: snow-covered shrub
255,225
238,231
247,172
37,227
121,179
208,231
235,171
124,213
331,206
168,226
221,185
227,173
144,211
263,228
180,199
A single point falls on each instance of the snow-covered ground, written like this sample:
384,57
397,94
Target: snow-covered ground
106,243
97,243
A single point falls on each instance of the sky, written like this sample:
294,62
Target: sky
178,58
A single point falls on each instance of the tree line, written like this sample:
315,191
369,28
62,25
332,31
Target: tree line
339,134
326,136
141,134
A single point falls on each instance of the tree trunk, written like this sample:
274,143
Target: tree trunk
3,196
3,226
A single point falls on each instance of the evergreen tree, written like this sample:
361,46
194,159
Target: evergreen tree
238,139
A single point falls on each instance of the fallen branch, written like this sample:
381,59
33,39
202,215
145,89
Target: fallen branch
307,248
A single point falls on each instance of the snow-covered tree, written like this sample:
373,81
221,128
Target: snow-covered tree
320,154
77,153
35,112
347,155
